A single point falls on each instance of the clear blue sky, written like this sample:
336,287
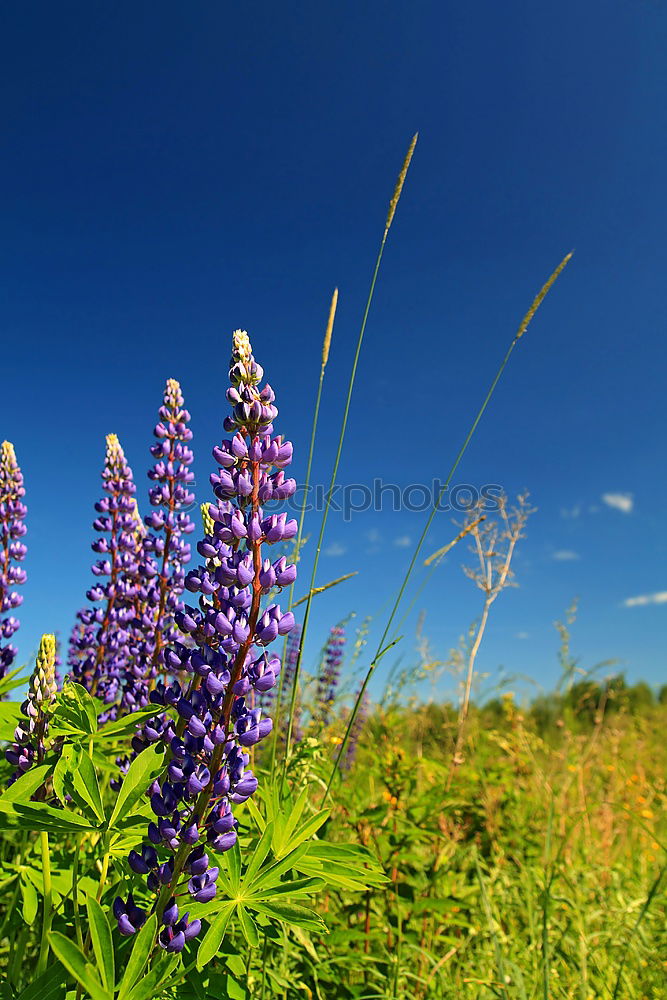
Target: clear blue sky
171,172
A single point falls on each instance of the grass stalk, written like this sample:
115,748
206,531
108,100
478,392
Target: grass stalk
390,217
523,326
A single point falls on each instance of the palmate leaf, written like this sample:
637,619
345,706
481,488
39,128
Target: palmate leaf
348,866
75,712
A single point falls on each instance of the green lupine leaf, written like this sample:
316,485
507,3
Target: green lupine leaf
86,785
148,986
74,961
143,946
232,860
127,724
290,913
309,829
296,887
259,855
100,933
49,986
248,927
39,816
30,901
270,875
280,845
214,935
25,787
143,770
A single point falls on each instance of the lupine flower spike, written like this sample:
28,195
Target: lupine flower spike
222,659
165,548
327,681
30,735
100,650
12,550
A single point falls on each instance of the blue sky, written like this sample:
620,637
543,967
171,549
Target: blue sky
171,173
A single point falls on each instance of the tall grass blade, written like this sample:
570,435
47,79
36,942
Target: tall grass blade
390,218
399,597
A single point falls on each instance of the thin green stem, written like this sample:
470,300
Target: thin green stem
48,900
75,894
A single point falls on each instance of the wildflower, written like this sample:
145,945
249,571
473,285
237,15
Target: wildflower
100,649
30,735
221,662
163,551
12,550
327,682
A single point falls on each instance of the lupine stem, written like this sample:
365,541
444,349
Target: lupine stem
48,900
390,216
381,645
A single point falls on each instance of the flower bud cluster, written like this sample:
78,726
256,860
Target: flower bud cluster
30,734
12,550
221,665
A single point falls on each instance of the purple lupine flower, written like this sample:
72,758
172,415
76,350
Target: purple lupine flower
221,662
355,733
100,650
12,550
329,675
30,735
165,551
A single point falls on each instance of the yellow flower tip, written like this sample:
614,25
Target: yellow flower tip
400,182
241,345
46,656
329,330
7,455
173,384
207,520
114,452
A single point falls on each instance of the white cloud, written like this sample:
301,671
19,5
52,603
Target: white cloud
402,541
523,635
642,599
335,549
568,512
565,555
619,501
